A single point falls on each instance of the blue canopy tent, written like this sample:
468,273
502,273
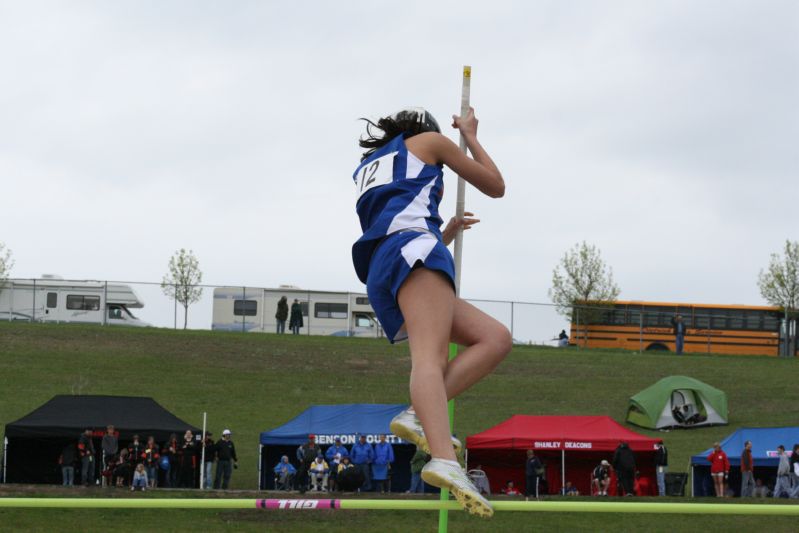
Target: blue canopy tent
764,455
347,422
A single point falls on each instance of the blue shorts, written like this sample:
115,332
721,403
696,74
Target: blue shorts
391,263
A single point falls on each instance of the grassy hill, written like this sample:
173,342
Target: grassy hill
251,383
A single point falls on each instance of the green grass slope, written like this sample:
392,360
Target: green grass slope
251,382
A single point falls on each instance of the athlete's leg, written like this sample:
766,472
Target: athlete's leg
427,301
487,343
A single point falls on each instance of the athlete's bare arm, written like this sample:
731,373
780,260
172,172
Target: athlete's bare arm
434,148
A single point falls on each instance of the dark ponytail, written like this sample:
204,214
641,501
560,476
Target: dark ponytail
410,122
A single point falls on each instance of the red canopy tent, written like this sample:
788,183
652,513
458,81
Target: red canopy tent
569,446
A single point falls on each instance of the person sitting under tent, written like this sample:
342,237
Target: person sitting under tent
350,478
600,478
510,489
570,490
284,474
318,472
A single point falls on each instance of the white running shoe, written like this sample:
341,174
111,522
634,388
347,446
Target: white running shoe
449,475
407,427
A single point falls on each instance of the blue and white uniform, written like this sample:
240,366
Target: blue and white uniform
398,197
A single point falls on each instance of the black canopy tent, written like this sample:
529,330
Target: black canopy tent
34,442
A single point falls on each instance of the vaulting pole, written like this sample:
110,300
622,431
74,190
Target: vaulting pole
460,207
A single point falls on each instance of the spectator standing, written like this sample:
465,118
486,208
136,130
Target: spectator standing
336,448
87,453
661,467
284,474
135,451
295,322
747,471
139,478
532,465
67,462
381,466
282,314
783,485
226,460
419,459
624,463
793,460
186,461
210,456
678,327
170,451
719,468
110,447
306,454
362,456
150,458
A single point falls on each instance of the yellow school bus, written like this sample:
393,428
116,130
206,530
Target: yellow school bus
717,329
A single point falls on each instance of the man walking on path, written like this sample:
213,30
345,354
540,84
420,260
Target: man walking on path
747,471
783,485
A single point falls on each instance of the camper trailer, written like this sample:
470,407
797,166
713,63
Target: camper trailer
53,299
344,314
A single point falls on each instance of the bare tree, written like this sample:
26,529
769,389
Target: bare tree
582,277
182,279
6,263
779,284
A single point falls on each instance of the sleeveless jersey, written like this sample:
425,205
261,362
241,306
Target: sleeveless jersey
396,191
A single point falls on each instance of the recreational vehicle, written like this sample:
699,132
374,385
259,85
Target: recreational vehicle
53,299
345,314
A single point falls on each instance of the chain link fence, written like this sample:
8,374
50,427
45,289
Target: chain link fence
630,325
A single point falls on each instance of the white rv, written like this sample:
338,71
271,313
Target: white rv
345,314
53,299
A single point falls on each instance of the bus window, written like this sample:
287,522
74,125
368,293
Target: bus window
736,320
771,322
754,319
718,319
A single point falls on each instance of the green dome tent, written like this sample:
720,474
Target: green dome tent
678,401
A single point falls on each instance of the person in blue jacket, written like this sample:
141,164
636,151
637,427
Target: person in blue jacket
384,456
336,448
362,456
284,474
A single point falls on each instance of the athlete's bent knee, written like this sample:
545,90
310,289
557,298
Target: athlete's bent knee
501,341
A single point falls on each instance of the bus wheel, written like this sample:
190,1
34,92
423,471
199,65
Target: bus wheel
657,347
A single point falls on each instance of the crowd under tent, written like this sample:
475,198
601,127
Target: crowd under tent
33,444
328,422
569,446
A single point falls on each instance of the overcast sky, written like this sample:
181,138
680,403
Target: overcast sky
663,132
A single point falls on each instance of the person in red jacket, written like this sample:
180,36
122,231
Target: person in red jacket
719,468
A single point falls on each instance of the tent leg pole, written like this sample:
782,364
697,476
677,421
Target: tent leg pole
260,464
562,471
5,457
202,455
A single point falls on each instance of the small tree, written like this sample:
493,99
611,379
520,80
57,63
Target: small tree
779,284
182,279
6,263
582,277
